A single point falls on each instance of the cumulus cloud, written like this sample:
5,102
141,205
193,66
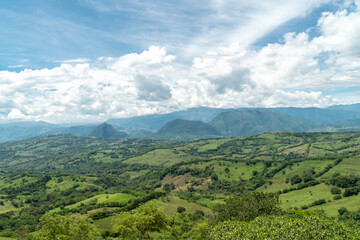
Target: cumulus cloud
151,88
15,114
291,73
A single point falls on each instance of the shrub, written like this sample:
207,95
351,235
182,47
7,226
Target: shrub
335,190
295,180
249,206
181,209
350,192
318,202
337,197
279,227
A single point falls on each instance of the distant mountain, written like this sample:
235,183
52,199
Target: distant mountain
352,107
336,118
348,123
108,132
179,129
154,122
22,130
317,114
78,130
251,122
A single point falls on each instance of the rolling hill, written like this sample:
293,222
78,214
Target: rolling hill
99,178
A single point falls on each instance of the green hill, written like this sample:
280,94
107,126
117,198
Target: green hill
100,178
179,129
251,122
107,132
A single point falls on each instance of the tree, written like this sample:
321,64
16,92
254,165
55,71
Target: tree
181,209
335,190
167,188
147,218
248,207
295,179
66,228
308,175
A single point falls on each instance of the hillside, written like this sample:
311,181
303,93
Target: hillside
99,178
107,132
327,115
251,122
23,130
179,129
351,107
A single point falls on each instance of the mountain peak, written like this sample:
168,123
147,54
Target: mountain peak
106,131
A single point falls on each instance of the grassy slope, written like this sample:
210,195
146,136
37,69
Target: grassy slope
159,157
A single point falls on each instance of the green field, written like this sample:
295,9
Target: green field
159,157
171,203
305,196
106,198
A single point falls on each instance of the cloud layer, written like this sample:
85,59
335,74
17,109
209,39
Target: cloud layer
294,72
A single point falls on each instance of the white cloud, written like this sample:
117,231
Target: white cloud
292,73
77,60
15,114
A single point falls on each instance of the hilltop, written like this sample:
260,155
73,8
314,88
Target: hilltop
179,129
107,132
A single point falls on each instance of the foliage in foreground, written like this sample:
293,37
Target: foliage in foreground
280,227
147,218
249,206
65,228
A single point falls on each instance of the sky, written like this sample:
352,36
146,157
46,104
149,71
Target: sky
91,60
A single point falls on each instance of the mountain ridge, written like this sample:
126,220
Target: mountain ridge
336,118
252,122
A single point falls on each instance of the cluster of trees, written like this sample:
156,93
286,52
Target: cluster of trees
351,183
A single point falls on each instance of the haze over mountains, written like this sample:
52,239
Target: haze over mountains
200,123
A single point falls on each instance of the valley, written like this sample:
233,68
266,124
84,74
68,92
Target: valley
100,178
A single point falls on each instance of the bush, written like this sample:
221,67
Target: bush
318,202
337,197
279,227
295,180
335,190
342,210
350,192
181,209
66,228
249,206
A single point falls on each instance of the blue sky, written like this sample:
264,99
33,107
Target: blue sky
96,59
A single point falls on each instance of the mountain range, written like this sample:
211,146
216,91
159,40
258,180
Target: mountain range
202,122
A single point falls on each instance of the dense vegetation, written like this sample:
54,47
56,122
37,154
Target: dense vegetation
218,188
